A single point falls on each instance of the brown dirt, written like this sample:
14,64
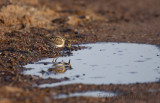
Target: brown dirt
23,21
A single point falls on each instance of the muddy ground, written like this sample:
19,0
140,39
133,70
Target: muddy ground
22,22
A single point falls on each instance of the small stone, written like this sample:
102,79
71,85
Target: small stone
80,86
45,63
77,76
66,78
40,76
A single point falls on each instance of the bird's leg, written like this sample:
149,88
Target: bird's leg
69,61
69,49
54,60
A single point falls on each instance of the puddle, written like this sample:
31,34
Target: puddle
103,63
101,94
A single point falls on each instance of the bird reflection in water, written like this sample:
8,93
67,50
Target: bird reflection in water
60,67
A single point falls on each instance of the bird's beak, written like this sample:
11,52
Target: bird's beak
71,40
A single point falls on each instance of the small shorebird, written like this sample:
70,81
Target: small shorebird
60,67
59,41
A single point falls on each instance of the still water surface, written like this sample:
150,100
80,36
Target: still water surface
102,63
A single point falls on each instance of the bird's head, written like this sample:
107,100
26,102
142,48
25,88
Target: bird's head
68,43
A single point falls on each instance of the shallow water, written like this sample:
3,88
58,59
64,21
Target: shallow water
86,94
103,63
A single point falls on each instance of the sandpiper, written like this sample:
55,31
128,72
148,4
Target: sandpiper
59,41
60,67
